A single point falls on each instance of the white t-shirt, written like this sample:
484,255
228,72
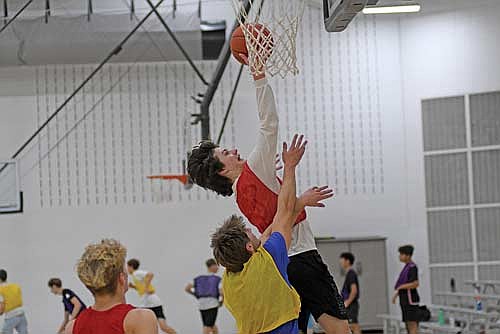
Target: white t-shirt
262,161
207,303
148,299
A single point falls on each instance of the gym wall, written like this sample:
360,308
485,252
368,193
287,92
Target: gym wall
362,118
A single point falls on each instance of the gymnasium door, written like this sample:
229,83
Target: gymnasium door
371,265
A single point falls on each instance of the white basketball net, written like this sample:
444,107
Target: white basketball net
273,53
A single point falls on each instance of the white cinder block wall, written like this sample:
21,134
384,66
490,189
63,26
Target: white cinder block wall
348,85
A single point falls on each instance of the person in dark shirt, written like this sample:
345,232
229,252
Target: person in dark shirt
350,291
406,289
73,305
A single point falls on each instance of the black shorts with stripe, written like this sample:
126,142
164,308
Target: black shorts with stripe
318,292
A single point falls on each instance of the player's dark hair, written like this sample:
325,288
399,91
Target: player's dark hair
348,256
211,262
3,275
406,250
204,168
134,263
229,243
55,282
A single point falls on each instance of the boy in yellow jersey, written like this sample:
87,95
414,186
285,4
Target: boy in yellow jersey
11,306
256,287
142,283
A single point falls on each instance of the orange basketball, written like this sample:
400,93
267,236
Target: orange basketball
238,43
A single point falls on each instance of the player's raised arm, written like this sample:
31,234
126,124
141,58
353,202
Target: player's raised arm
262,158
285,215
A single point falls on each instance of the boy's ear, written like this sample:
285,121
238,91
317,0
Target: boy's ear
249,247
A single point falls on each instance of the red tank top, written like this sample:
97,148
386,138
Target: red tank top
256,201
102,322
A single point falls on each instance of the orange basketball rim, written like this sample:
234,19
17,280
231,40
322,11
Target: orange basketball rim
182,178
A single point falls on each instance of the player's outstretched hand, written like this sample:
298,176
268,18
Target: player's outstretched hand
256,77
293,154
314,196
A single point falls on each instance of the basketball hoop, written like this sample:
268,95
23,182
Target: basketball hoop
184,179
273,53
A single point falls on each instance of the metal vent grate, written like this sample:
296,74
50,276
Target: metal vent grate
449,236
446,180
488,234
486,170
485,119
444,123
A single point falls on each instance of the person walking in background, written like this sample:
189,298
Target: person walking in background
73,305
350,291
406,289
206,288
11,306
142,283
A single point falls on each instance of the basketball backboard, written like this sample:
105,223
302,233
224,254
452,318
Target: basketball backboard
11,197
339,13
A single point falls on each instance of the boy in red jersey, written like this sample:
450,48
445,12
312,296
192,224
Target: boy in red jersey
256,187
102,270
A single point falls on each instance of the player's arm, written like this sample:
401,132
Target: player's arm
189,289
284,218
256,77
77,306
140,321
352,295
263,157
409,286
69,327
2,308
64,323
147,281
310,198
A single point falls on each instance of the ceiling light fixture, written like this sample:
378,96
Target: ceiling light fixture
395,8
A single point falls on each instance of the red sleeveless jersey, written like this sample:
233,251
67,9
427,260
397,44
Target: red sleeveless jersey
102,322
256,201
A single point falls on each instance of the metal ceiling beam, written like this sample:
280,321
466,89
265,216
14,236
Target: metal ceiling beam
230,105
90,9
5,11
113,53
177,42
19,12
132,9
204,115
47,10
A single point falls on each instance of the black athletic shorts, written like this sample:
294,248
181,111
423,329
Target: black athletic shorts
353,313
158,311
316,287
208,317
410,312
